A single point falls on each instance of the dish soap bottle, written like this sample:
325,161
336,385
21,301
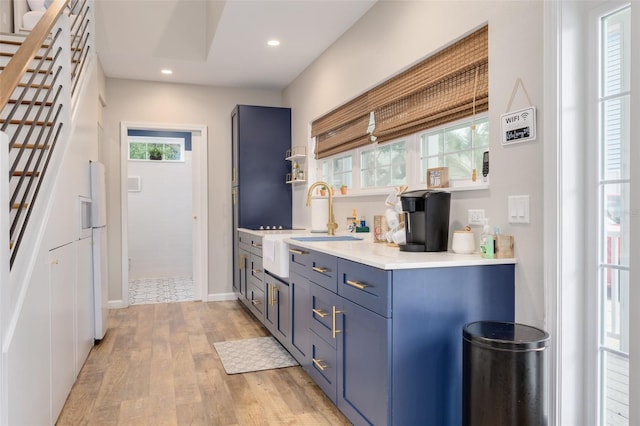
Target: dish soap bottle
486,241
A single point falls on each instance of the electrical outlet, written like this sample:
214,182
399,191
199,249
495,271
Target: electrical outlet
476,217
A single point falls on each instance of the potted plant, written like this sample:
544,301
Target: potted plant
155,153
323,190
343,189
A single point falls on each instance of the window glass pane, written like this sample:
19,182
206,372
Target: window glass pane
615,394
137,151
615,321
155,151
460,165
171,152
481,138
615,224
384,166
457,138
616,53
615,144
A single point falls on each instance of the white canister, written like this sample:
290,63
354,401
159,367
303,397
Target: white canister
464,242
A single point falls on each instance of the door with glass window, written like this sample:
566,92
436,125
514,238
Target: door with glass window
613,227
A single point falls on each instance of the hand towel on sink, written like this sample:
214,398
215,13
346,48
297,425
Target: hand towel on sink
268,249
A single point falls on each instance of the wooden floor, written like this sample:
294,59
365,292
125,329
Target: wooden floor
157,366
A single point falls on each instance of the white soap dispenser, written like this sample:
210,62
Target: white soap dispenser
486,241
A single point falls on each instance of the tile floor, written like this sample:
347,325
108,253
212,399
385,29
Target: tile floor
160,290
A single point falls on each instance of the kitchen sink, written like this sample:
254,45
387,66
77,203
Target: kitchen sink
327,238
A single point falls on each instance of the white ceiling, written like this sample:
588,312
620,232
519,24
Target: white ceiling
221,43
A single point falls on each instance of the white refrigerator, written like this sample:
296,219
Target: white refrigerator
99,234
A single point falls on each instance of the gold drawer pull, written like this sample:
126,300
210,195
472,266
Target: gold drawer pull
256,271
296,251
319,313
255,302
318,363
357,285
256,245
321,270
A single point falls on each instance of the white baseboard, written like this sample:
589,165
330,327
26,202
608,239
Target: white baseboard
117,304
221,297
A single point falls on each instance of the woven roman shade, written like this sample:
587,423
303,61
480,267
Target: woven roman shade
449,85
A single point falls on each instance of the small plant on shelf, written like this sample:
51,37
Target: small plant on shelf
343,189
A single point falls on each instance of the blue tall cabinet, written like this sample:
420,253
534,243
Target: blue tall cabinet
260,196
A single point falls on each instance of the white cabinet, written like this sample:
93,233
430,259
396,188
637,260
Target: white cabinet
61,282
84,302
71,287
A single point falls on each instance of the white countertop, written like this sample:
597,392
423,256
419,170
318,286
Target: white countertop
380,255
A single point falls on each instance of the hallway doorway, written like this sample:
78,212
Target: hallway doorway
164,242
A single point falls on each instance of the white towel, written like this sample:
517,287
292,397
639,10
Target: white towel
268,249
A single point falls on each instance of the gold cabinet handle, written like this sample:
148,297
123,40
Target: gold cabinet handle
256,245
318,363
256,271
296,251
241,263
334,331
321,270
357,285
255,302
273,295
320,313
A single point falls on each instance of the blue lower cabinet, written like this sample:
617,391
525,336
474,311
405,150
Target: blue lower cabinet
364,351
300,314
323,368
256,300
277,311
386,346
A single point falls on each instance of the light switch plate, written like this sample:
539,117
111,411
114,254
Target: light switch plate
518,209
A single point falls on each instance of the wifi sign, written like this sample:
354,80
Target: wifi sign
518,126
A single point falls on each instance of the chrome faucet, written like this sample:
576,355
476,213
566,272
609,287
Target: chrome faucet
332,225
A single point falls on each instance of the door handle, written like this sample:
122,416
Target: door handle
357,284
334,331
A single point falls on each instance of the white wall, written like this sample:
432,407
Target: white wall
147,102
160,223
394,35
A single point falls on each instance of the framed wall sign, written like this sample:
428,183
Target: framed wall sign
518,126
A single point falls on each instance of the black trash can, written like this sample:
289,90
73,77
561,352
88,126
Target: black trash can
503,374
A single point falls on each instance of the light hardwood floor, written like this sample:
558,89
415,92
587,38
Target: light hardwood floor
157,366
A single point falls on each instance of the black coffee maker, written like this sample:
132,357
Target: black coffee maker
426,220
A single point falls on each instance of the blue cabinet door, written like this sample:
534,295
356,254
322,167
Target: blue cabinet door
364,353
300,314
277,312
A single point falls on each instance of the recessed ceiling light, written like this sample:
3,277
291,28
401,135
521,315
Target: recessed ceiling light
166,72
273,43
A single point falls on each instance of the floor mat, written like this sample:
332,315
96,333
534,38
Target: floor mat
256,354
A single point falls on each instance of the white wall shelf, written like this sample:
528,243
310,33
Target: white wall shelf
298,157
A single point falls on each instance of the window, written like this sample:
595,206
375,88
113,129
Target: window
457,147
383,166
613,189
338,171
156,149
404,162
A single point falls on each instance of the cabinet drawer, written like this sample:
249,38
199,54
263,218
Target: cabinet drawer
256,245
255,295
323,369
299,259
323,270
244,241
256,272
324,313
367,286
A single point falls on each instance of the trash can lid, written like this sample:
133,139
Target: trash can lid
506,335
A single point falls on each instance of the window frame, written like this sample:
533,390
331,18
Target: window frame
415,179
156,140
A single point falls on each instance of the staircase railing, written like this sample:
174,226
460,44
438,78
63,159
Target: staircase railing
35,91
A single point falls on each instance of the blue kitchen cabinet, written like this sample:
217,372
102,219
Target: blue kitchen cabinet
300,306
260,137
277,312
242,265
386,347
